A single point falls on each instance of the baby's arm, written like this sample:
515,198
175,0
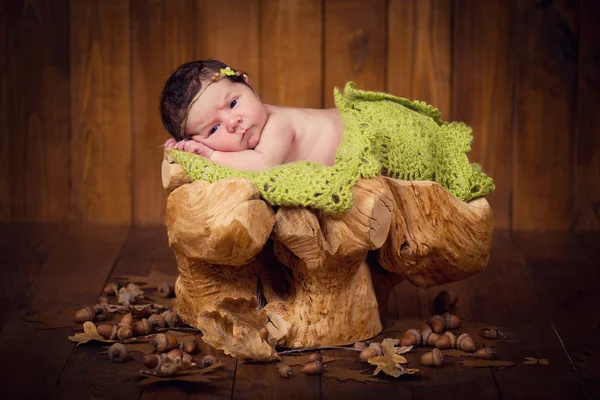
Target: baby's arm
271,151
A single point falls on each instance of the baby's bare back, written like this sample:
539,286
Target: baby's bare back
317,133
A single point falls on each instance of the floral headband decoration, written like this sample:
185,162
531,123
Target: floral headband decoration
217,76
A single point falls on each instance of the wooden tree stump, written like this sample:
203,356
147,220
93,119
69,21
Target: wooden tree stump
314,273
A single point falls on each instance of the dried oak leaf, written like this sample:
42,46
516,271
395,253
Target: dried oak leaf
220,332
479,363
391,362
62,319
533,360
303,359
90,333
188,375
243,312
129,294
149,281
345,374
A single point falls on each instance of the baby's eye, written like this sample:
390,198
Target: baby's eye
213,129
233,103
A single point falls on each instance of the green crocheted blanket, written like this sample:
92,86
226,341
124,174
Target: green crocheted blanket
383,135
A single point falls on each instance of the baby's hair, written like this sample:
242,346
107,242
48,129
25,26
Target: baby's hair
182,86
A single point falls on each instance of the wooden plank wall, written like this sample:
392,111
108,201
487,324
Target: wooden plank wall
80,80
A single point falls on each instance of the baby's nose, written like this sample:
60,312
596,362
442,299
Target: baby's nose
234,121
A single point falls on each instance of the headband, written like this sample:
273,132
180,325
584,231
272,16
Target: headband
217,76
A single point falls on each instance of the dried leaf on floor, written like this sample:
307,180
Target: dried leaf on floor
220,332
479,363
345,374
61,319
390,362
533,360
188,375
149,281
130,294
303,359
90,333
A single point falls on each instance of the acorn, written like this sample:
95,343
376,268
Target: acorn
429,338
366,353
117,352
126,320
485,352
187,358
452,321
157,321
103,300
124,332
443,342
100,312
445,301
208,360
313,368
111,289
189,346
84,314
432,358
411,337
359,345
315,357
491,332
452,337
173,354
151,361
437,323
465,342
164,290
164,342
141,328
172,319
108,332
284,370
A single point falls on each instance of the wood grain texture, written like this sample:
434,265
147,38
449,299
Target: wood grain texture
101,111
482,91
355,45
4,137
586,215
544,114
291,53
162,39
419,51
35,129
81,262
228,31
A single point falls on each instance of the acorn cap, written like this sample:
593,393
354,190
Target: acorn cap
465,342
434,358
411,337
208,360
485,352
117,352
141,328
437,323
452,321
452,337
164,342
157,321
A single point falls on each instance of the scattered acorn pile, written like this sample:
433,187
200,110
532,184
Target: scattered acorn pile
437,333
165,345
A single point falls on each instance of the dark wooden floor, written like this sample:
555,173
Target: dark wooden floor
543,286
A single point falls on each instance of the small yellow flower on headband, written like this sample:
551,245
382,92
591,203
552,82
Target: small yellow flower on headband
223,72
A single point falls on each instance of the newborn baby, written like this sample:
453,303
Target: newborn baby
211,110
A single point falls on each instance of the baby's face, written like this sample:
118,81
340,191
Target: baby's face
228,116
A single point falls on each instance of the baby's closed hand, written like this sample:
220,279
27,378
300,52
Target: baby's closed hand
190,146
